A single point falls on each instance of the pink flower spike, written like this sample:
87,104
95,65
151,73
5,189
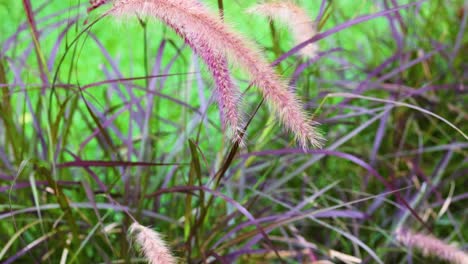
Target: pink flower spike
227,94
431,246
151,244
207,33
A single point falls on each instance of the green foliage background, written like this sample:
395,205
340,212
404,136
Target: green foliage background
253,182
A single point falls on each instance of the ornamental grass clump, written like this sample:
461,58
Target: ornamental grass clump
431,246
151,245
295,18
214,42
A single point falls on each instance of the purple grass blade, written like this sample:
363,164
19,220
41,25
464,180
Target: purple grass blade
397,14
348,157
436,176
301,68
115,87
459,41
10,42
402,215
36,35
109,164
451,146
333,146
168,67
116,69
102,117
378,70
410,64
321,11
35,119
4,158
170,98
454,199
341,27
100,206
92,199
6,177
204,104
106,123
28,248
392,20
353,214
81,163
325,152
380,134
150,103
55,48
229,200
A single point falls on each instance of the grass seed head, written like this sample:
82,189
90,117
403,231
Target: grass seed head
212,39
151,245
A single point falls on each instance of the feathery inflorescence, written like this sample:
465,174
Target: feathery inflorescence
212,39
152,246
227,94
296,18
431,246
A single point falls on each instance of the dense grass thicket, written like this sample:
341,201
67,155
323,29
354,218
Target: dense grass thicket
111,121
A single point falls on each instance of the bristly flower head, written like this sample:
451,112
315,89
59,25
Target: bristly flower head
431,246
213,40
152,246
296,18
226,92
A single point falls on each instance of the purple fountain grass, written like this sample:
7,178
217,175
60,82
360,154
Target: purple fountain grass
431,246
296,18
152,246
211,39
227,93
228,96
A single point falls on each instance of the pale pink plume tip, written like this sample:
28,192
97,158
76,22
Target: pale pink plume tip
151,244
431,246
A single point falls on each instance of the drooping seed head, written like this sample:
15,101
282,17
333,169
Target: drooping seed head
212,40
151,244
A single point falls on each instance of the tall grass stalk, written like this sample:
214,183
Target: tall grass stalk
205,32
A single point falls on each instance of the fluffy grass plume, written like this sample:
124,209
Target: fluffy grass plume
226,92
151,244
294,17
209,36
431,246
